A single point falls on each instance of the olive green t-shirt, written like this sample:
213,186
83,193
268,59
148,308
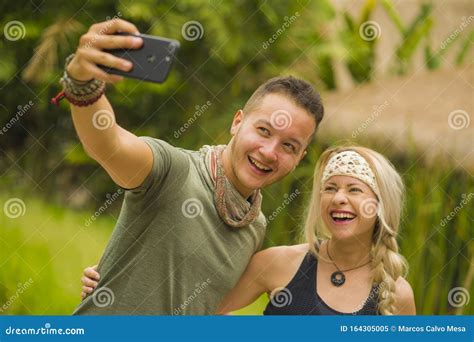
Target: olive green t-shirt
170,253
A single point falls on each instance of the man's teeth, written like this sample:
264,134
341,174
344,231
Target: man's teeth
260,166
342,215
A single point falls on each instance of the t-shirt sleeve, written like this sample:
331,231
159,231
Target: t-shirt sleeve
261,223
170,166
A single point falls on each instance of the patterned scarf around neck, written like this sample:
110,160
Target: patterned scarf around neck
232,207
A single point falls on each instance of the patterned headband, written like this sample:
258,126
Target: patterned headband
350,163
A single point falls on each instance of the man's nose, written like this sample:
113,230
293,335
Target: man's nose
269,151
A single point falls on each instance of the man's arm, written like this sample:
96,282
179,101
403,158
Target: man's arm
126,158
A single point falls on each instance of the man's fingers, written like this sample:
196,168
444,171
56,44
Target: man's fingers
88,282
91,272
99,74
87,290
101,42
105,59
113,26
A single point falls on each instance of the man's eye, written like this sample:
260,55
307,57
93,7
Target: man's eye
290,147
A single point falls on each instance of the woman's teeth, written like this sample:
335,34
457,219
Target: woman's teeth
342,216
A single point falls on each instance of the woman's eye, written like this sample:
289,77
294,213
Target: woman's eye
263,130
329,188
355,190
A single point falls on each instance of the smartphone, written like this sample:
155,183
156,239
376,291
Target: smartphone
151,62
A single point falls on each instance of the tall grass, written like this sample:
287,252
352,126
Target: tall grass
42,255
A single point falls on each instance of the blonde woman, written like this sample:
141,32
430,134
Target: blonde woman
350,263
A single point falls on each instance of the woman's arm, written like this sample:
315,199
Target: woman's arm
249,287
89,280
268,269
404,298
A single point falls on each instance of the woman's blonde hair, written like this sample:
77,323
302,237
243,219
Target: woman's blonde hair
387,264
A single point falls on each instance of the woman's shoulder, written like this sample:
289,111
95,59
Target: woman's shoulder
278,264
279,253
404,297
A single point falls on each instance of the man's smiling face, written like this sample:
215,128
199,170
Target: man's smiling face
268,142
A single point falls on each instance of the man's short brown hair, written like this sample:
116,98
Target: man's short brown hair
300,91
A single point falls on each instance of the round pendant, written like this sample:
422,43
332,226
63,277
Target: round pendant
338,278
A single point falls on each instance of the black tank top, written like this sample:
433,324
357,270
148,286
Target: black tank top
300,296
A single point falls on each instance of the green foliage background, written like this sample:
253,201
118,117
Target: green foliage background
42,162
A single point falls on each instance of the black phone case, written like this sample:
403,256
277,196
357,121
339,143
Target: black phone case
151,62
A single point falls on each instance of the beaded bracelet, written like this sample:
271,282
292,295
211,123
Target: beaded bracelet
79,93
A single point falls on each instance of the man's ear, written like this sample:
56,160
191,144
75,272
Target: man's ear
238,118
303,155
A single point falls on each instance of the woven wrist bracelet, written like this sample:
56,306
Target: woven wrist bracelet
79,93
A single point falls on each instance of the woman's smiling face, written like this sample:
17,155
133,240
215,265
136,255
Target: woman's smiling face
348,208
